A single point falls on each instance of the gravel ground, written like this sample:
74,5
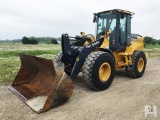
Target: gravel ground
124,100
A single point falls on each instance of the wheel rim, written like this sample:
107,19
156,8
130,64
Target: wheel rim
104,72
140,64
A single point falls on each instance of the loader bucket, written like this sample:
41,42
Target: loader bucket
40,85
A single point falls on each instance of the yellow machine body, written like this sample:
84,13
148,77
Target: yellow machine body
125,58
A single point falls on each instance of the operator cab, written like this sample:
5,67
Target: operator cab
118,24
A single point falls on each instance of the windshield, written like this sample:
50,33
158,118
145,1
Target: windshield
106,21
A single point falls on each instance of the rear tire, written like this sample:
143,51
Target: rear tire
99,70
138,66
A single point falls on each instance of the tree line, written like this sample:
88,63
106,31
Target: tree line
50,40
151,41
34,40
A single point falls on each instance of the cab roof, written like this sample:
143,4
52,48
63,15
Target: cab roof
119,10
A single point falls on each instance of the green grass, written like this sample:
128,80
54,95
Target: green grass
10,62
152,50
9,69
151,46
29,52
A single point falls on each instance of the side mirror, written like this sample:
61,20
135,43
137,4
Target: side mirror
94,17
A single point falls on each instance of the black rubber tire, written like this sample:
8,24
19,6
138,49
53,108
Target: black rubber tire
91,70
132,71
57,62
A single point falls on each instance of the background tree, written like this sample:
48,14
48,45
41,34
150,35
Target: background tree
54,41
148,40
25,40
31,40
158,42
154,42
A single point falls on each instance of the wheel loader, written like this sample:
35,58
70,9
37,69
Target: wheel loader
42,85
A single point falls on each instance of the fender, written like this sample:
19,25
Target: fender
83,55
107,50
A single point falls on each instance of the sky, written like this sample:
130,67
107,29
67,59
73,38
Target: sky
42,18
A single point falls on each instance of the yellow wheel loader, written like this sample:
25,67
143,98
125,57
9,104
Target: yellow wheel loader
43,85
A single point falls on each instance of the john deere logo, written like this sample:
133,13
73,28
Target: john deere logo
93,44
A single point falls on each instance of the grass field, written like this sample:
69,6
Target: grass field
152,50
152,46
10,62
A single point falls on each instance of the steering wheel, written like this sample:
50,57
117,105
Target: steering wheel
103,32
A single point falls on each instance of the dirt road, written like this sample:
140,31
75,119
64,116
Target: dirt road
124,100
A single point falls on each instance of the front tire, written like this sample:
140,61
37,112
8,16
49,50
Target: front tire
99,70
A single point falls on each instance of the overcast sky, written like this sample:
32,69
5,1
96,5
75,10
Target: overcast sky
41,18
